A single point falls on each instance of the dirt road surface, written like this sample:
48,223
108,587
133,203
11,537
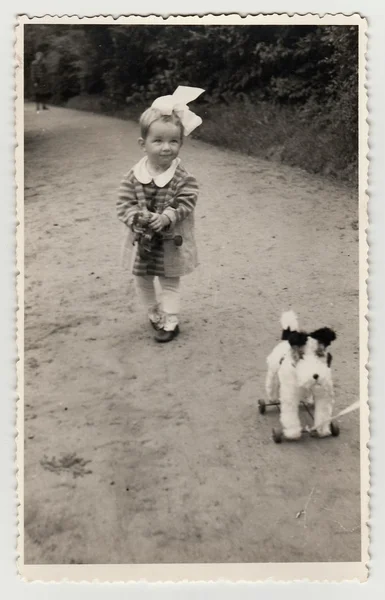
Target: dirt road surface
140,453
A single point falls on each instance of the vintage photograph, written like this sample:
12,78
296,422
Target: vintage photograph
192,331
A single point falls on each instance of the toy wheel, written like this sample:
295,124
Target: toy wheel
277,435
334,429
178,240
262,406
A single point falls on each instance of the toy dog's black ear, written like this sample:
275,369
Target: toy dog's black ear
297,338
285,334
324,336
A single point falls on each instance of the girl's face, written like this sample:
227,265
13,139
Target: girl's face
162,144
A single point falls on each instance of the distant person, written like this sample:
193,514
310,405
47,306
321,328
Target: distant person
39,78
156,201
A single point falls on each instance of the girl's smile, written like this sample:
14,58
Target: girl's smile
162,145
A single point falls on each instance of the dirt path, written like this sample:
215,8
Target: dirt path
140,453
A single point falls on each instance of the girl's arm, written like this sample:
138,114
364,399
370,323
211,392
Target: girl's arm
127,203
185,200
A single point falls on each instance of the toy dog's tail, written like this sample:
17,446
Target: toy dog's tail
289,323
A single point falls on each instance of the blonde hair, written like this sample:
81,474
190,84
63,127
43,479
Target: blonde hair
154,114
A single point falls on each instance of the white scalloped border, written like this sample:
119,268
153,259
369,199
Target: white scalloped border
182,573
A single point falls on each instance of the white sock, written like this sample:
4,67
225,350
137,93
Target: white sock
170,322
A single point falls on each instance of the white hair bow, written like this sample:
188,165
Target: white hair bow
178,103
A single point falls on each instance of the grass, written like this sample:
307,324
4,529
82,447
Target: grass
282,134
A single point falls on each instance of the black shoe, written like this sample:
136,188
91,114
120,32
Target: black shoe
163,336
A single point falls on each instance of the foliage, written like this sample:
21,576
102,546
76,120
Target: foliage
311,70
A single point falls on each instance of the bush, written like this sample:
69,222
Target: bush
281,133
302,79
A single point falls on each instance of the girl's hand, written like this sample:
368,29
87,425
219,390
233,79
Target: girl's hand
158,222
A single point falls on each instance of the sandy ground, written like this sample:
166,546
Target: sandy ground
140,453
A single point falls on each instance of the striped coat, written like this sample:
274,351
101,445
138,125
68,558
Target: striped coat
167,259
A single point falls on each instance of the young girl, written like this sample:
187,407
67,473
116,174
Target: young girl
156,201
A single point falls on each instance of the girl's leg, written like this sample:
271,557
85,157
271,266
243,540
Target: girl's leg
170,301
145,290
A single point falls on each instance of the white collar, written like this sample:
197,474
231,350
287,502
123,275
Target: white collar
143,176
